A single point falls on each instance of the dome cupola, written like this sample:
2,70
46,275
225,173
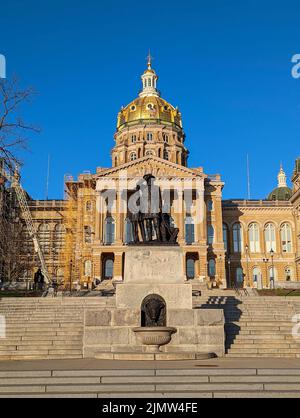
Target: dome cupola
149,81
149,126
282,192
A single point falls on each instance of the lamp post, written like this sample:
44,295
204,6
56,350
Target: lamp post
272,277
220,269
266,260
28,272
247,261
71,268
229,272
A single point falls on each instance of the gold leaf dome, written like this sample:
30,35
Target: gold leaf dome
149,109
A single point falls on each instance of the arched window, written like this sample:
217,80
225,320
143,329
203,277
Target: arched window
189,230
210,235
190,268
272,273
286,238
211,268
149,153
58,237
87,234
44,237
237,238
109,269
288,274
128,233
256,276
270,237
149,136
88,206
133,139
225,237
254,238
149,82
166,155
239,277
133,156
88,268
60,275
210,205
166,138
109,232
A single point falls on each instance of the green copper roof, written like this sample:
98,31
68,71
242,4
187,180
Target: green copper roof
281,193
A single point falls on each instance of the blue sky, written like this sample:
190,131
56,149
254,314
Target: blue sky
226,64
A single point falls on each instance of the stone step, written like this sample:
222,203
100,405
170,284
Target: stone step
171,383
56,338
71,349
262,355
37,355
259,350
239,345
257,332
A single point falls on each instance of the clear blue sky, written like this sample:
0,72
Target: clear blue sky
226,64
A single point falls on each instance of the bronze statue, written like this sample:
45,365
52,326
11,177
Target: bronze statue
149,221
168,232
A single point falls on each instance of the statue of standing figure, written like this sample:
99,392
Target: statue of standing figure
150,221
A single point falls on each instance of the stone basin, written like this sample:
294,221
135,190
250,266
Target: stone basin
154,337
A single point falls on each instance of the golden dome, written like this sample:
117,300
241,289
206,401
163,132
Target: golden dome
149,109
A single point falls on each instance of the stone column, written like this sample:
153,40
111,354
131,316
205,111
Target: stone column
118,266
101,215
118,219
199,217
180,217
96,260
97,215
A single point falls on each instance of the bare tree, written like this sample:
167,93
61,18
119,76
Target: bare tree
12,242
13,129
13,137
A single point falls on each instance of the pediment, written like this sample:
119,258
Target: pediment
158,167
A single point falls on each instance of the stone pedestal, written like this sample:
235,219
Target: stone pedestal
154,270
157,270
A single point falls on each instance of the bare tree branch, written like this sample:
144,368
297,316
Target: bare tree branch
13,129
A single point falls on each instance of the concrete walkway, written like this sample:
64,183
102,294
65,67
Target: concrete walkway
92,364
215,378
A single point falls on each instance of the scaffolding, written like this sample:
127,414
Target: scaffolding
70,222
14,180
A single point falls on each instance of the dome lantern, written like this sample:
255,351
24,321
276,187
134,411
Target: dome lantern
149,81
281,178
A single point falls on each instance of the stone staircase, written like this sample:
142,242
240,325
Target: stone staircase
45,328
206,382
52,328
255,326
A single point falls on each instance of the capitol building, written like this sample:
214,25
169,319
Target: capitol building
226,243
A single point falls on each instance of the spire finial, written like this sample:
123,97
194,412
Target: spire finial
282,177
149,60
